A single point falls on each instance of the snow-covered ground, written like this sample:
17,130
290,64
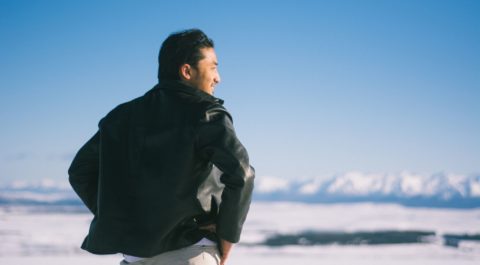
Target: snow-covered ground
32,236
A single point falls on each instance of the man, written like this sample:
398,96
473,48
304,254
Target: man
165,176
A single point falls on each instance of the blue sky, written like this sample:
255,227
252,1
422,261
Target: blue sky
315,87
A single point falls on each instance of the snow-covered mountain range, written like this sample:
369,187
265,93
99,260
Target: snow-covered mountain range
436,190
39,192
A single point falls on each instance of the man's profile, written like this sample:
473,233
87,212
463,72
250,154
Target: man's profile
165,176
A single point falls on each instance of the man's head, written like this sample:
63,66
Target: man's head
189,56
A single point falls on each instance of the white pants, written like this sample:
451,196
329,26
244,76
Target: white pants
192,255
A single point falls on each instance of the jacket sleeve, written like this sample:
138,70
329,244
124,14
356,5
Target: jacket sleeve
83,173
218,143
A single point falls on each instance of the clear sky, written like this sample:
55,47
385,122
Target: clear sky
315,87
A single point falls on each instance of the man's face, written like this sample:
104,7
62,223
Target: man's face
205,75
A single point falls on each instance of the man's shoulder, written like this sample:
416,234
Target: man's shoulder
214,111
121,112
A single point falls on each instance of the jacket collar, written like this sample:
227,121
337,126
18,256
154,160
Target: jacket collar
187,92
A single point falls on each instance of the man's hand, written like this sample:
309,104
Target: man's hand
225,245
211,228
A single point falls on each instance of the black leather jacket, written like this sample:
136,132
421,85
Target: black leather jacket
160,166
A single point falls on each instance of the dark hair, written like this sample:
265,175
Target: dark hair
180,48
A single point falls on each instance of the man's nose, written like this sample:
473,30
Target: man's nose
217,78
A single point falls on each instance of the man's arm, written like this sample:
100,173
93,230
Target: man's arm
218,143
83,173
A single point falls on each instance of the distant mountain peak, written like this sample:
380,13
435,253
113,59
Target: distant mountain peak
405,186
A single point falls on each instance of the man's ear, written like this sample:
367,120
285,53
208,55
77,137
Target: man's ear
185,72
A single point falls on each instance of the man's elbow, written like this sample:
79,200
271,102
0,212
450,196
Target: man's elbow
250,175
73,176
